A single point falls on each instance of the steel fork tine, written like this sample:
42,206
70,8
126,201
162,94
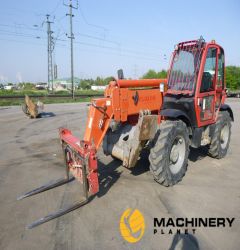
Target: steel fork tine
57,214
50,185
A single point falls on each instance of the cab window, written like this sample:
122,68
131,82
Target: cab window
220,81
209,73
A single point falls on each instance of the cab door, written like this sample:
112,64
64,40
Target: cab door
220,86
206,91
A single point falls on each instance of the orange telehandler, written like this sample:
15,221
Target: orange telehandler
169,115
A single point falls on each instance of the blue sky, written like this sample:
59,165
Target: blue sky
128,34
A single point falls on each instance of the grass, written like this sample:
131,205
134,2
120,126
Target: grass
45,100
44,96
22,92
45,93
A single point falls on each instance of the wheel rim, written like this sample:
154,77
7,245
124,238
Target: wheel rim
224,136
177,154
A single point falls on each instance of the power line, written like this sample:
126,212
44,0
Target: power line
98,38
117,49
18,41
122,54
8,33
91,24
117,54
21,11
61,18
56,7
113,49
20,26
100,27
17,34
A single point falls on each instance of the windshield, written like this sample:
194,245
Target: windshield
184,67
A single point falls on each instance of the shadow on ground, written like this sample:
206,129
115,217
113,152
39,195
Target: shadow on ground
108,176
142,165
46,115
184,242
197,154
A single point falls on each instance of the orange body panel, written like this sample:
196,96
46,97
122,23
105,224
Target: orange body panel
119,103
98,120
127,102
140,83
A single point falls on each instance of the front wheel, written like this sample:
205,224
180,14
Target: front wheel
169,154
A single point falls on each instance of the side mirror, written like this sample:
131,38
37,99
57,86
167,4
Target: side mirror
120,74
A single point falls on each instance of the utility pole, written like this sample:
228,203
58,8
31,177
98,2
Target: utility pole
50,50
55,71
70,5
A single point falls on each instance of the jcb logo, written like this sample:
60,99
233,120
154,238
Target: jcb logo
132,225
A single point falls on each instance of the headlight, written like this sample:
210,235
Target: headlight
161,86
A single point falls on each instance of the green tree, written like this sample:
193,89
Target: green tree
99,81
85,84
152,74
27,86
162,74
233,77
108,79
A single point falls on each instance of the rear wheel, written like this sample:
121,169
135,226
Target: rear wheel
169,153
221,137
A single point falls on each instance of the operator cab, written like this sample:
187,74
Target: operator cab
195,78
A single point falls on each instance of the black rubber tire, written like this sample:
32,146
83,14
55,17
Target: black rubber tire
215,148
160,152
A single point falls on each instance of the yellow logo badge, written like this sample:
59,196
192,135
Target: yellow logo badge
132,225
